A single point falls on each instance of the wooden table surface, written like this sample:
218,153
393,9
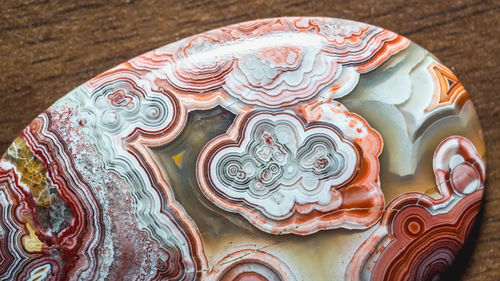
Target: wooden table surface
48,48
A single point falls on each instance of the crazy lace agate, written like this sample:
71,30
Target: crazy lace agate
277,149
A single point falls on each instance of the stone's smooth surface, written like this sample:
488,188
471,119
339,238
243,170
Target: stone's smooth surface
278,149
291,176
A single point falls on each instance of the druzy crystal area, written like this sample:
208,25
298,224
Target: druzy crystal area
278,149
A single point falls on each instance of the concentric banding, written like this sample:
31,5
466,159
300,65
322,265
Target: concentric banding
101,186
251,265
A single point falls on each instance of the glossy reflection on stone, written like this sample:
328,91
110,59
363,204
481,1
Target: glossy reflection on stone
277,149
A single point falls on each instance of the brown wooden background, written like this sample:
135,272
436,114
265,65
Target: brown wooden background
48,48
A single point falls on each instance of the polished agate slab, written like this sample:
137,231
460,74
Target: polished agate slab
277,149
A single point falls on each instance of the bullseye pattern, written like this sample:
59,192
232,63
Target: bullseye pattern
419,236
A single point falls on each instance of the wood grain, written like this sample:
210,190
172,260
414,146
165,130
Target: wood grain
48,48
